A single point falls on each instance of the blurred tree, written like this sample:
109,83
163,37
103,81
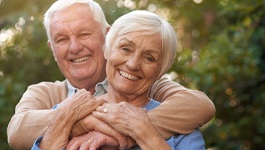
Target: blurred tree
24,56
221,52
223,55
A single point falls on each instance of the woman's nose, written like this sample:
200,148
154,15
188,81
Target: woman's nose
134,63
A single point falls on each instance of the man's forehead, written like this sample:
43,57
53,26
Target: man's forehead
70,21
72,13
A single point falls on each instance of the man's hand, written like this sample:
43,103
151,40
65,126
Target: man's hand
79,105
69,111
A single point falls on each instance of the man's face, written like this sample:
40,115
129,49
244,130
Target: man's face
76,41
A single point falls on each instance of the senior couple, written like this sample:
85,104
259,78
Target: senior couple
117,71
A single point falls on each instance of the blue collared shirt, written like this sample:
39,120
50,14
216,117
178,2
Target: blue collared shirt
100,89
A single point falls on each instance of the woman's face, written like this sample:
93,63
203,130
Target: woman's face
134,63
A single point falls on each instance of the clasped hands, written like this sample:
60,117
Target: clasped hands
99,124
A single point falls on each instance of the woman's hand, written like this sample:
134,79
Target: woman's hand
123,117
92,141
132,121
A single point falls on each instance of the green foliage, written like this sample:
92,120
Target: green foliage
24,60
229,68
222,54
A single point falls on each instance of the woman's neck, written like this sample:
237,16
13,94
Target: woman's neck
135,100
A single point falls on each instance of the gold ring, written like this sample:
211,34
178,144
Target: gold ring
105,110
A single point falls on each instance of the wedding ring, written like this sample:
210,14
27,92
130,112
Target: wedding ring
105,110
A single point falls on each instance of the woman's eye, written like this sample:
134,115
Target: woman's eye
150,58
125,49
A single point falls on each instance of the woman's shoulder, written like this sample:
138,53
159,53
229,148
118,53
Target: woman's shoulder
152,104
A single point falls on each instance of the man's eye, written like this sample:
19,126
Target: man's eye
84,35
61,41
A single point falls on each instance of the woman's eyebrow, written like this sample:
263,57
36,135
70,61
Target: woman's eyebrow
127,40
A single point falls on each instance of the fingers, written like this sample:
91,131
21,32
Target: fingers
86,145
81,142
92,141
87,107
76,100
101,116
104,113
74,143
124,141
108,130
78,106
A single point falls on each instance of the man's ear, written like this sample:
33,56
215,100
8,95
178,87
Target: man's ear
106,52
50,46
107,30
106,55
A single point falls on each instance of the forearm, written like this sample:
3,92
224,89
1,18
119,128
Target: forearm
33,113
182,110
147,137
182,113
78,129
57,134
25,127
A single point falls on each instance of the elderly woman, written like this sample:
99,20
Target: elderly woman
140,47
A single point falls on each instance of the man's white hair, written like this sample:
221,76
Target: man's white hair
63,4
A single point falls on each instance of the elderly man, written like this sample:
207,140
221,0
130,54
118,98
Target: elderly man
76,38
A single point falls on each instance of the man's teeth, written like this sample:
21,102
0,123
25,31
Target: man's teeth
80,59
128,76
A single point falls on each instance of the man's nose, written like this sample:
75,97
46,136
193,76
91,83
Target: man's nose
75,45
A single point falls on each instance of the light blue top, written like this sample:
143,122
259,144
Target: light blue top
192,141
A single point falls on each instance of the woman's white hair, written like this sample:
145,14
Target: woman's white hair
63,4
147,23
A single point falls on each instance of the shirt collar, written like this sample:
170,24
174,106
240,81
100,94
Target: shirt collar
100,89
71,89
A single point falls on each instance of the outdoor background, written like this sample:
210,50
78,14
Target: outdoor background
221,52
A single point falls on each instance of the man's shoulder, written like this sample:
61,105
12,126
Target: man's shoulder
48,87
49,84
